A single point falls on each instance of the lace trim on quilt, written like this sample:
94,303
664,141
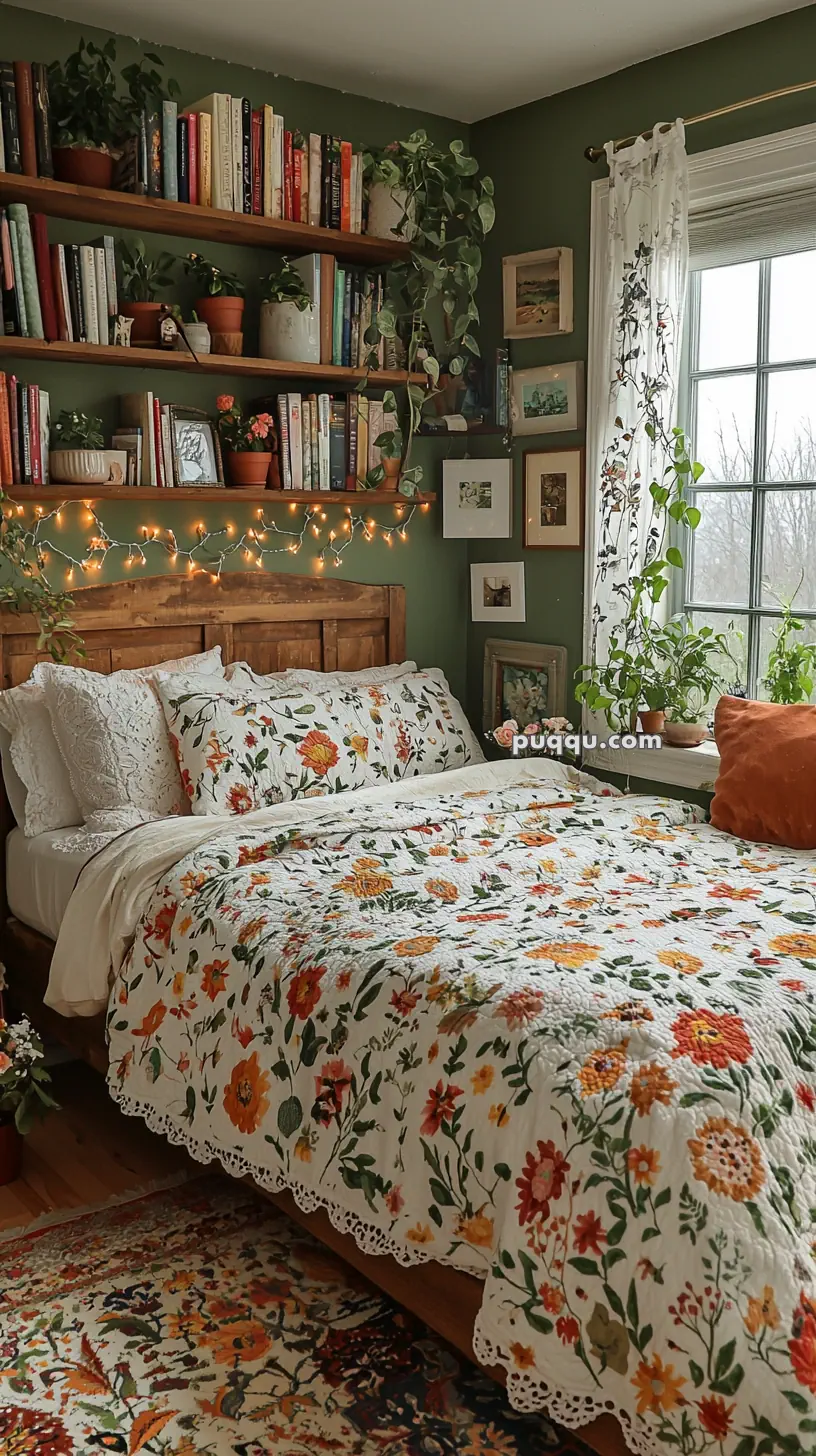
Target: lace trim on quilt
526,1393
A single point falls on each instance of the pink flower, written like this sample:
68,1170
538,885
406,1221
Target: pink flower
505,734
531,729
5,1063
224,403
556,725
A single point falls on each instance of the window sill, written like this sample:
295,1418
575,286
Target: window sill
689,768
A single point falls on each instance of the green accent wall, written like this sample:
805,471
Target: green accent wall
543,187
433,571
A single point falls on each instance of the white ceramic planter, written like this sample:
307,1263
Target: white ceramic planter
386,209
287,332
684,735
78,467
199,337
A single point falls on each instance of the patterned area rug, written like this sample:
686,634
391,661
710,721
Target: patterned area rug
199,1321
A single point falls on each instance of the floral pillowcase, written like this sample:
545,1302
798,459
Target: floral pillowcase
422,726
245,749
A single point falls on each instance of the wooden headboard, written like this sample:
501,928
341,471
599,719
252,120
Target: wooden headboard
270,621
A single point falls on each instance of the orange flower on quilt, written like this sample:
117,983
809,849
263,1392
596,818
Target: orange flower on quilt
711,1039
245,1100
318,752
651,1083
658,1388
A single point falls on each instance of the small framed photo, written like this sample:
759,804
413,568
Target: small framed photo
537,293
547,399
553,499
522,680
497,591
477,498
196,455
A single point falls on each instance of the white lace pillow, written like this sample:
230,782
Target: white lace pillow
244,749
48,801
243,674
423,726
113,738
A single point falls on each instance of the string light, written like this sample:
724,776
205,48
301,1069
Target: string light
212,548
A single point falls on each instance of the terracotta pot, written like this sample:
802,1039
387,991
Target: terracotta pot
392,474
11,1152
78,467
652,720
223,315
86,166
685,735
228,344
145,331
248,469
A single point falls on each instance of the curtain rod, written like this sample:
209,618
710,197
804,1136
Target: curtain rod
594,154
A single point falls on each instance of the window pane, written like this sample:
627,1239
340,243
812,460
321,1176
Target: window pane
789,547
735,673
724,436
768,627
729,299
793,308
722,547
791,431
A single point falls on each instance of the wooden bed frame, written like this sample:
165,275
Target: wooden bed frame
272,622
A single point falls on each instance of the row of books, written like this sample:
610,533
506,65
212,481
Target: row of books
347,302
54,291
25,126
167,445
326,441
25,427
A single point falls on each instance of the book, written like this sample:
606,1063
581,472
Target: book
14,426
75,292
24,97
204,159
327,271
60,284
283,439
246,156
277,167
376,425
6,473
136,411
288,181
257,161
106,243
19,293
130,443
306,442
44,415
351,444
297,174
87,274
502,388
315,179
337,326
313,441
295,442
183,158
156,441
337,444
345,186
218,107
153,135
34,443
325,180
101,280
2,143
8,113
45,286
42,119
18,211
192,156
24,413
267,188
168,460
8,292
345,358
236,153
336,184
169,161
323,421
363,406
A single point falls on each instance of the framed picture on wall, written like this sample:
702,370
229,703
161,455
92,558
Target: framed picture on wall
537,293
477,498
548,399
553,499
522,680
497,591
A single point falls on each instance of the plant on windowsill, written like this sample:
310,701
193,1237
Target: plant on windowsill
431,197
791,665
77,458
693,661
141,277
220,304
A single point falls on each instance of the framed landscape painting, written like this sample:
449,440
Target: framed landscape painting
537,293
522,680
553,498
476,498
548,399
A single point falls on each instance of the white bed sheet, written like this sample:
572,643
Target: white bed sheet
40,877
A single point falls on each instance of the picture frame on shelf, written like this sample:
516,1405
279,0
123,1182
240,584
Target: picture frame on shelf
553,499
537,291
477,499
548,399
522,680
196,449
497,591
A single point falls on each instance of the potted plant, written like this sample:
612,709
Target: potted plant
386,475
694,659
24,1092
445,211
146,88
77,458
289,323
87,115
248,441
141,277
791,665
221,305
193,335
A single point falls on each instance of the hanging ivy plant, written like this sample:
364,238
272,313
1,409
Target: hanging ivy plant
29,590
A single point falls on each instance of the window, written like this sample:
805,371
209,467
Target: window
751,412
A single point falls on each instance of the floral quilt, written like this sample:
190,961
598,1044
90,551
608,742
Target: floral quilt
563,1041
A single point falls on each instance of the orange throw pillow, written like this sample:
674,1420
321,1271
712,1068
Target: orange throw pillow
766,787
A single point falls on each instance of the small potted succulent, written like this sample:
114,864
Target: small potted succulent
24,1092
248,443
87,115
77,457
221,304
141,277
289,323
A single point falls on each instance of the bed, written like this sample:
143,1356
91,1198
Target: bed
537,1060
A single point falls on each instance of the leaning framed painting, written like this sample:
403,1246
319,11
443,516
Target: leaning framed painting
522,680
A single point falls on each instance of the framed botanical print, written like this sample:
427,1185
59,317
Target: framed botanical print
522,680
537,293
553,498
477,498
497,591
547,399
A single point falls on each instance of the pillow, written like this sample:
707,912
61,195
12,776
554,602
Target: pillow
243,748
425,730
112,736
48,799
766,787
15,788
242,673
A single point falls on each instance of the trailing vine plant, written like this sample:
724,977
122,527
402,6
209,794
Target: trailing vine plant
28,589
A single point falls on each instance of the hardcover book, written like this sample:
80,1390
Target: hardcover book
192,156
169,164
8,111
152,127
18,213
24,95
42,119
183,159
205,198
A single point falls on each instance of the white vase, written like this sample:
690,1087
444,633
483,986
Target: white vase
199,337
287,332
78,467
386,209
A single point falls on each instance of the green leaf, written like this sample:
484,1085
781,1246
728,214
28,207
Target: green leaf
290,1116
674,556
693,517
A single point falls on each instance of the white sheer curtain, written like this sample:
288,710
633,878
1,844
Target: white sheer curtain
635,341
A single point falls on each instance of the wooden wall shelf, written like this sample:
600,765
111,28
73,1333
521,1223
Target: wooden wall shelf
15,347
231,497
184,220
